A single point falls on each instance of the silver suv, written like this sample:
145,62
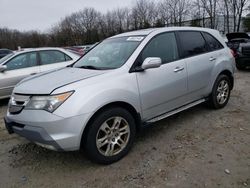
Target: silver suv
124,83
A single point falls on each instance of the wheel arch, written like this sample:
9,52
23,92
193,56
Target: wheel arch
230,76
130,108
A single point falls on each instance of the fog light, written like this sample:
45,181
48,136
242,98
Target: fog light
50,147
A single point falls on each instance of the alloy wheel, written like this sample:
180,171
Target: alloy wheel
113,136
222,92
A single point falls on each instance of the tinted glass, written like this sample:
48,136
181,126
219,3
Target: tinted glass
163,46
52,56
5,51
22,61
2,60
110,54
213,43
67,58
192,43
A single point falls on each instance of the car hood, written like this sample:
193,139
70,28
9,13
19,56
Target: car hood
231,36
45,83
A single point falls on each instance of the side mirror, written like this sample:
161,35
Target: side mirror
3,68
151,63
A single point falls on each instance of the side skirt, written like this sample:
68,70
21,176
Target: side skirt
182,108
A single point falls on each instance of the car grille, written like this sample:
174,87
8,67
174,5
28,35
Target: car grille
17,103
246,50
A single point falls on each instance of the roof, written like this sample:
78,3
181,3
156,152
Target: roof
25,50
136,33
145,32
36,49
5,49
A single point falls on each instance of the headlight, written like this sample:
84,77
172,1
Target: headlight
49,103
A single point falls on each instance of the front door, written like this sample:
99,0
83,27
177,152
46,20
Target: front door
19,67
162,89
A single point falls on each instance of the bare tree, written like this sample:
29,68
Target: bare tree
144,14
174,11
234,9
211,8
198,13
241,4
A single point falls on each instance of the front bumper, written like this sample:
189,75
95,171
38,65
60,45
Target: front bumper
34,134
48,130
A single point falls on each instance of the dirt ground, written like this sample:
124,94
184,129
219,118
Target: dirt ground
196,148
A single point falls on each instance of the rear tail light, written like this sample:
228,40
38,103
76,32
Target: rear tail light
233,53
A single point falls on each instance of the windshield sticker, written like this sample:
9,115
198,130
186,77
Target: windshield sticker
136,39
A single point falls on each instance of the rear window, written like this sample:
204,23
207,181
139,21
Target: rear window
212,42
53,56
192,43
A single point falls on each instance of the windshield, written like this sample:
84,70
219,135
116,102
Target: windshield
110,54
6,57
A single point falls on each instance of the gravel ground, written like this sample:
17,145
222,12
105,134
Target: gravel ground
196,148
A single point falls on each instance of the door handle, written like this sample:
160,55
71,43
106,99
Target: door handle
33,73
178,69
212,59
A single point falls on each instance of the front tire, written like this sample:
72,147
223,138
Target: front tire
220,93
110,135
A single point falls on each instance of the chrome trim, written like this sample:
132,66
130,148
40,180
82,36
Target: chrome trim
163,116
178,69
15,98
212,59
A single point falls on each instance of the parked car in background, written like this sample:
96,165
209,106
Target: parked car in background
74,50
124,83
4,52
79,50
240,44
20,64
85,48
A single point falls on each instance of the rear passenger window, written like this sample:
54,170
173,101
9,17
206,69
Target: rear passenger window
53,56
163,46
192,43
213,43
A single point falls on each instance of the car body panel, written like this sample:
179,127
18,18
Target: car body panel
9,79
57,78
159,94
94,98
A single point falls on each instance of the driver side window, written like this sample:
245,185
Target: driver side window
163,46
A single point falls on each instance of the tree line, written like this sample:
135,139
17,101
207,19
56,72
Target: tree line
89,25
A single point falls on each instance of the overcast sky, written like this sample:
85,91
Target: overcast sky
42,14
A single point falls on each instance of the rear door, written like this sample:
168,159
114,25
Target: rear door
19,67
53,59
199,62
162,89
214,46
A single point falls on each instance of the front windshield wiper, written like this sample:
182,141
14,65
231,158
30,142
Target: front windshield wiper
90,67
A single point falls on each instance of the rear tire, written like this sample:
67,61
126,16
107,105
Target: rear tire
110,135
220,93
